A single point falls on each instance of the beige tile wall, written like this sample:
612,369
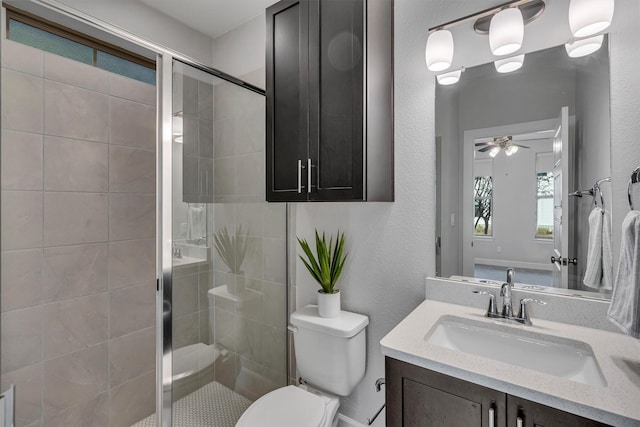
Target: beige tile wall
78,241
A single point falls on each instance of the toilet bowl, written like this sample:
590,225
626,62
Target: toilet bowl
316,340
292,406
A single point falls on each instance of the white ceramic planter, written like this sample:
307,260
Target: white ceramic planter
328,304
235,283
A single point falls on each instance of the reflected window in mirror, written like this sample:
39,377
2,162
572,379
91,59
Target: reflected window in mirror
483,205
544,196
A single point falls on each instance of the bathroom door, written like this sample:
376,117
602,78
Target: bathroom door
561,157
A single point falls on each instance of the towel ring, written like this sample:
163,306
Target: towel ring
633,179
597,190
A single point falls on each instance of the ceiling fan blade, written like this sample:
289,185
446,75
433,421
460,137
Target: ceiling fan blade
485,149
480,144
522,146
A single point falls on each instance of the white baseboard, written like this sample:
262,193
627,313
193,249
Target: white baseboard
515,264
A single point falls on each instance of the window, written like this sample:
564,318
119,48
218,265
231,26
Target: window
544,211
483,205
60,41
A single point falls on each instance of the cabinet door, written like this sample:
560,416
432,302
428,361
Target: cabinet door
524,413
336,98
418,397
287,101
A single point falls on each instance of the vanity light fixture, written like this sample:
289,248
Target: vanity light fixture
584,47
506,31
450,78
589,17
508,65
439,50
504,24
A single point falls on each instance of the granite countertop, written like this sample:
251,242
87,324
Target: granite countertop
618,403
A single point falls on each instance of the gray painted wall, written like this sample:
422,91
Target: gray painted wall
141,20
392,243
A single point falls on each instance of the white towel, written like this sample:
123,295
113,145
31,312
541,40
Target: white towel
624,310
607,252
599,271
196,223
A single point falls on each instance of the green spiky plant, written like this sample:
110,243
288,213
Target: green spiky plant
326,265
232,249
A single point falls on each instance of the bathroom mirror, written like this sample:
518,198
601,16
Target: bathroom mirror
510,149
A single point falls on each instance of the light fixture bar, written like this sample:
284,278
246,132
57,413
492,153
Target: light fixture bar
482,14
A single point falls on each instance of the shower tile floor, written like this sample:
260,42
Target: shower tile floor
211,405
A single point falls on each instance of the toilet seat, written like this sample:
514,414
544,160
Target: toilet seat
288,406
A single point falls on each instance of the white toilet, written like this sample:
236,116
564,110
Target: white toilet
330,356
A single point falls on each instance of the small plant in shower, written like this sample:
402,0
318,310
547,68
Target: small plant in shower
231,248
325,266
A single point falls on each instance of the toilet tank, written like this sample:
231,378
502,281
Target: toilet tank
330,352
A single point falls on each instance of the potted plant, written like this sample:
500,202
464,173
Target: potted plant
325,267
232,250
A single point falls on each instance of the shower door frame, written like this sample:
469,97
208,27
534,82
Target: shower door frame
165,58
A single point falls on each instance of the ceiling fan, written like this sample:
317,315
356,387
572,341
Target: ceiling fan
495,145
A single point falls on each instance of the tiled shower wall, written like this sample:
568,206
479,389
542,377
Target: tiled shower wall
78,241
250,325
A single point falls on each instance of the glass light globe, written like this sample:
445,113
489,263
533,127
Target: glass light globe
439,51
506,31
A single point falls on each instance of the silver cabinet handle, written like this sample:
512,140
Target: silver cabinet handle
299,176
492,417
519,422
308,175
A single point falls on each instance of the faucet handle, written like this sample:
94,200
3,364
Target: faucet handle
523,314
492,309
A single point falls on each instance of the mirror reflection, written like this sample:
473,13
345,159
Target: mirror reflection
524,172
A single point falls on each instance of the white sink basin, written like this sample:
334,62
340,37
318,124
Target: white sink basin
560,357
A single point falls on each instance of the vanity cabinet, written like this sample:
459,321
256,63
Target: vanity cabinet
416,396
329,101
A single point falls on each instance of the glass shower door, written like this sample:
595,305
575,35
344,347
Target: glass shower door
228,280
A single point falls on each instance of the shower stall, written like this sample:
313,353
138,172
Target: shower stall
144,277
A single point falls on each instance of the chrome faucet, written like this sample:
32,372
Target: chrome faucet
507,307
505,293
176,251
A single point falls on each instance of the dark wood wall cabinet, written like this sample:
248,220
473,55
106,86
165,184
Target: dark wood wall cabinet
329,100
419,397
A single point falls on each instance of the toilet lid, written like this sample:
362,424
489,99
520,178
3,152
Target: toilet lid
285,407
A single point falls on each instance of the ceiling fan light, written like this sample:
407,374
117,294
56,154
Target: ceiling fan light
494,151
508,65
506,31
450,78
584,47
588,17
511,150
439,51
